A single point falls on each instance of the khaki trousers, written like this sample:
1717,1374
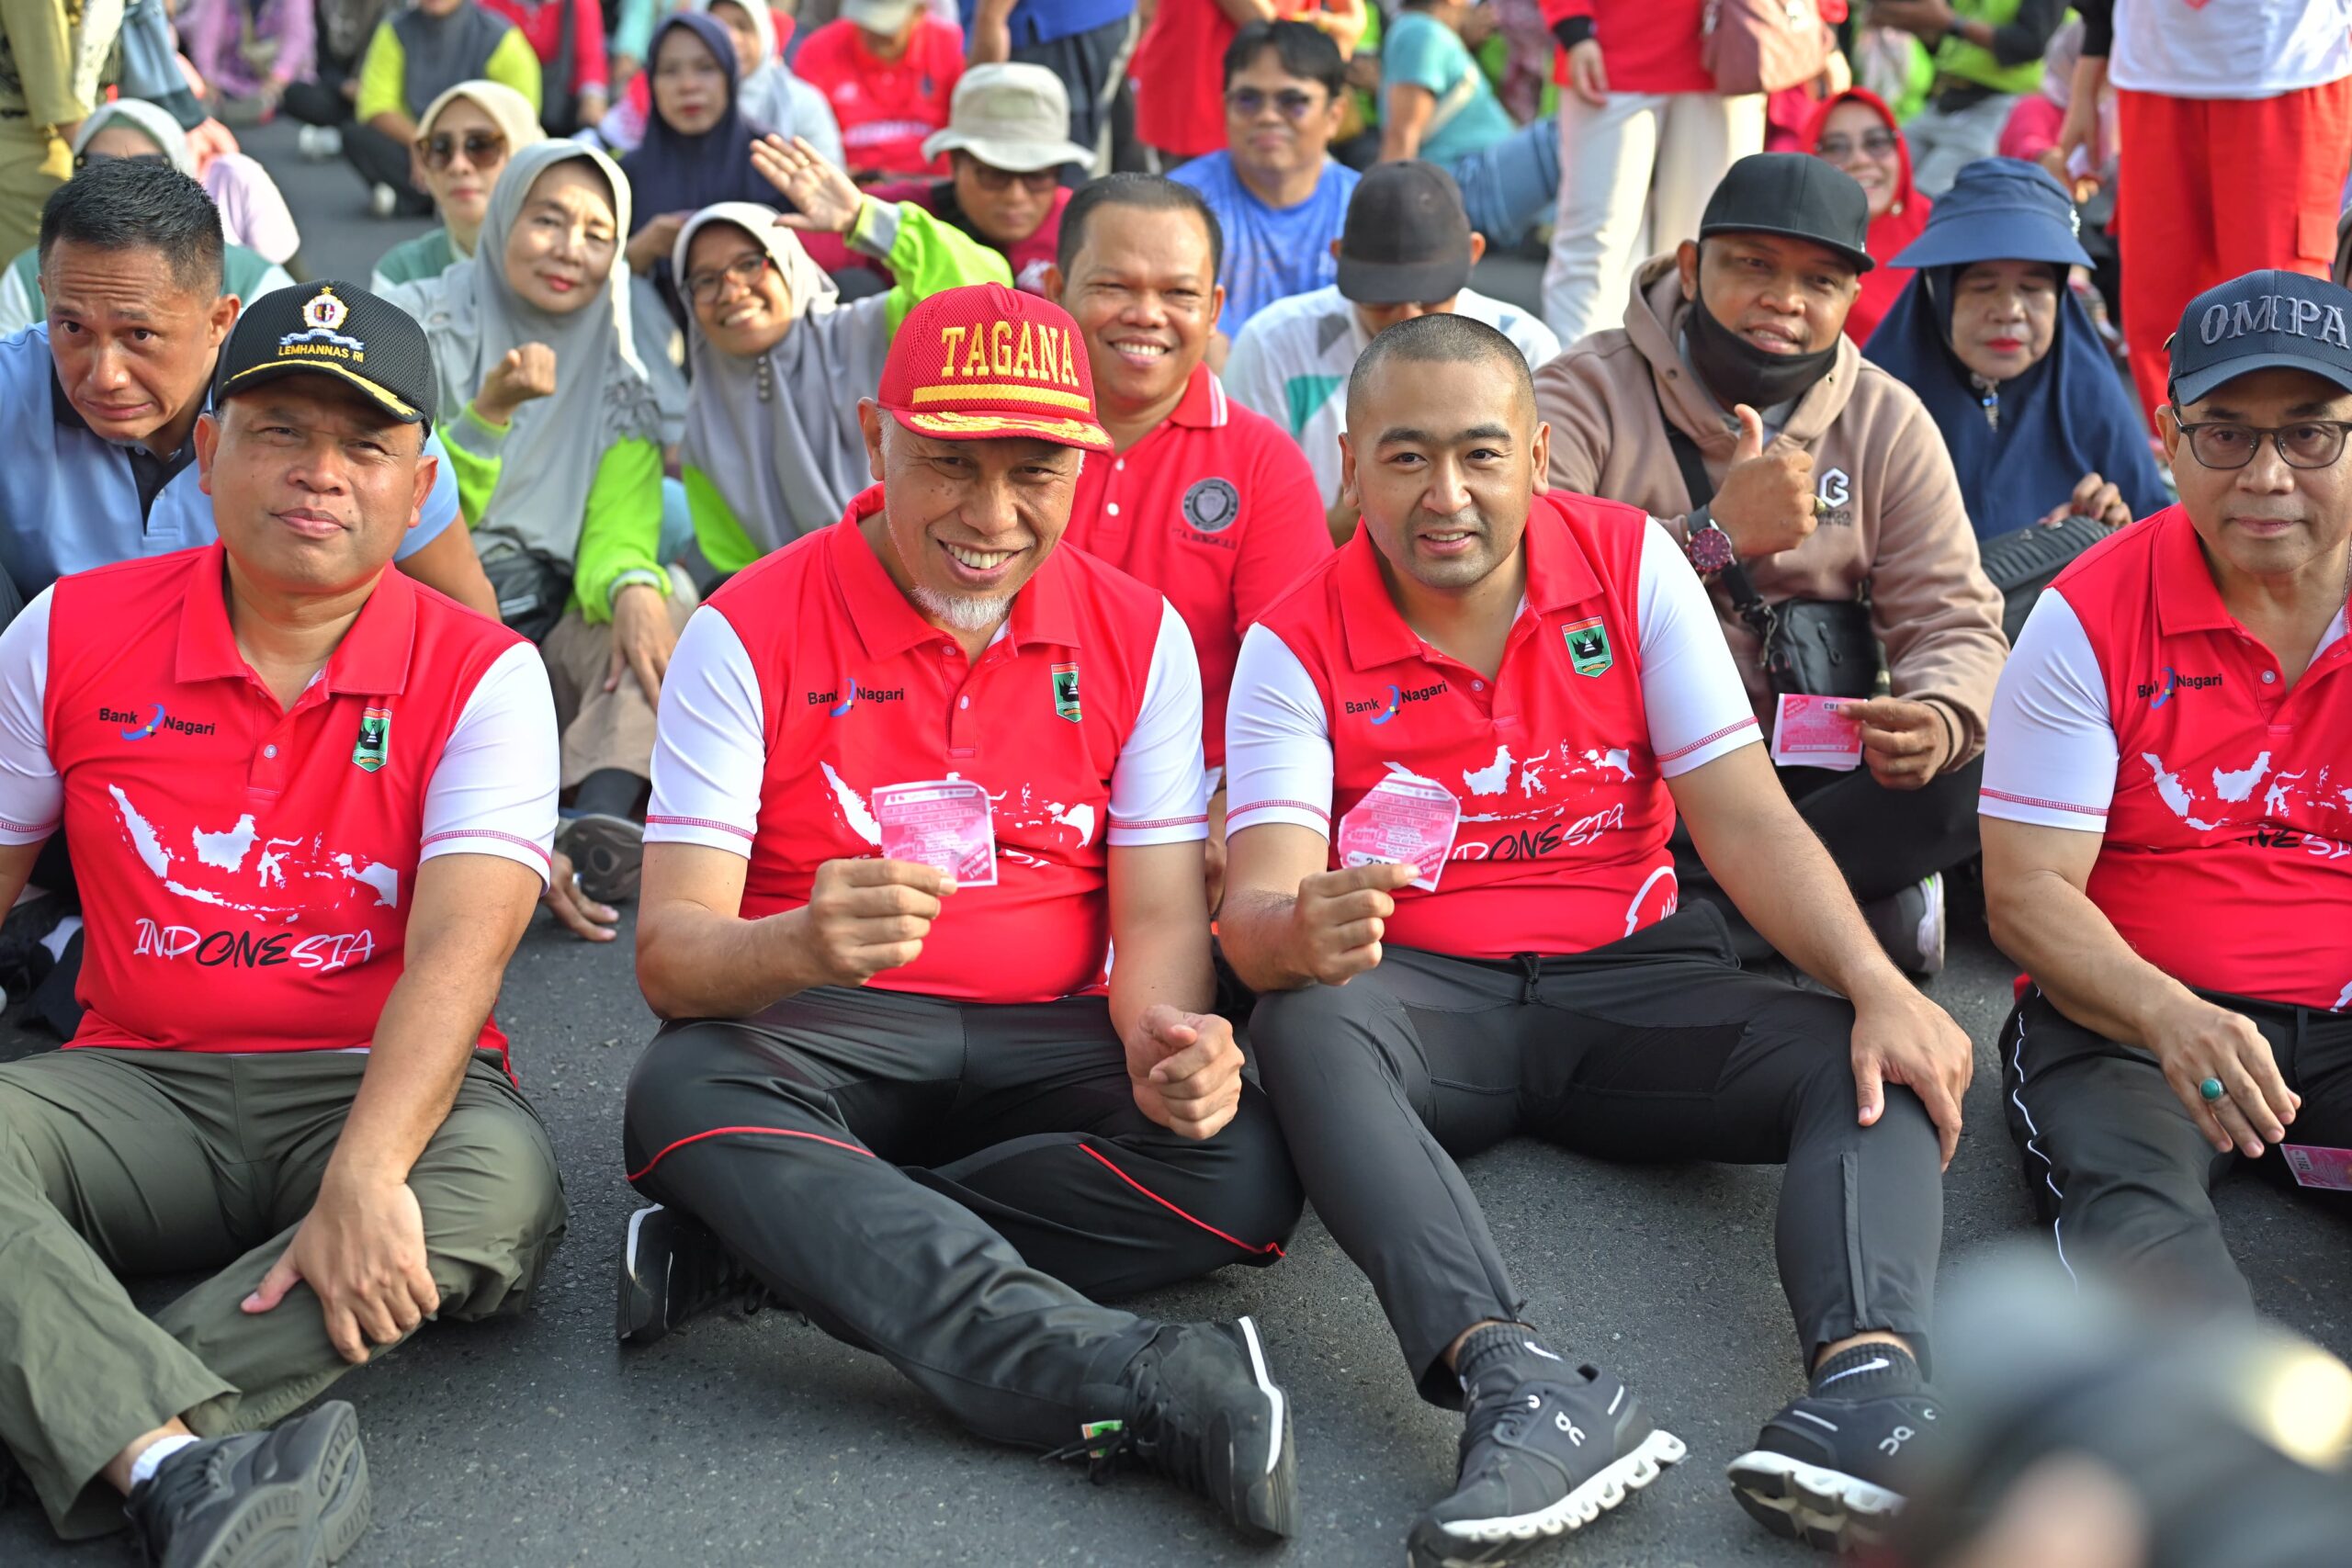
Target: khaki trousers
154,1162
32,163
602,729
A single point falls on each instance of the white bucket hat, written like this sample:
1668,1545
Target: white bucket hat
1012,117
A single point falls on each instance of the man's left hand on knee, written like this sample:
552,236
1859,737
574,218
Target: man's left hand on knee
361,1249
1186,1071
1901,1037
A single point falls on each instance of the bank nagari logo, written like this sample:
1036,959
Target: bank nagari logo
1389,705
1212,506
2159,693
850,692
1588,648
133,726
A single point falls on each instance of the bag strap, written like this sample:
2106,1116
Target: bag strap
1737,585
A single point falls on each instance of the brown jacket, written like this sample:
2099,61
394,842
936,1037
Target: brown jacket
1896,519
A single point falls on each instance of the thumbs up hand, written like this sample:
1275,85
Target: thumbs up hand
1765,501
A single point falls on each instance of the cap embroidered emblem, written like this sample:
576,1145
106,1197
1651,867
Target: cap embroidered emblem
326,312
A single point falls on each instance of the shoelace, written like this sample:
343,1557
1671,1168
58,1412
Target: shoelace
175,1485
1148,1436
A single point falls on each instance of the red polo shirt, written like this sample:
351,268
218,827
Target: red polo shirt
809,681
1615,679
245,870
886,108
2137,707
1217,510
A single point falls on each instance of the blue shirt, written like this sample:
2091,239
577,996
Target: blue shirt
1043,21
1270,253
69,500
1421,51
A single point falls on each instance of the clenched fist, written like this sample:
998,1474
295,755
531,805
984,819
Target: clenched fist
1765,502
1340,916
865,916
526,373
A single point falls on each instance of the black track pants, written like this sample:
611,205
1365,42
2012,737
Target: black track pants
1656,1048
952,1186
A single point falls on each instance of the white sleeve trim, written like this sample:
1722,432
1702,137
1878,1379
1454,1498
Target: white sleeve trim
492,791
31,795
1278,763
1156,787
1691,694
2049,746
711,751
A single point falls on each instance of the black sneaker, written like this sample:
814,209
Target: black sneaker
289,1497
1201,1409
1909,924
608,853
1833,1472
1541,1456
672,1269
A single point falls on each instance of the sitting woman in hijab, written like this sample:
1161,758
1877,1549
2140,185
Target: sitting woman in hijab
1857,131
129,128
697,146
772,95
418,53
463,141
772,446
1990,335
553,429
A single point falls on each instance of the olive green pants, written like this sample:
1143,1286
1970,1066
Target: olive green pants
154,1162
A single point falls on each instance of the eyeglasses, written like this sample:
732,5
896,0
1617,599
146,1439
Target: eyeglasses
2312,444
1877,143
1250,102
705,287
87,160
481,148
1037,182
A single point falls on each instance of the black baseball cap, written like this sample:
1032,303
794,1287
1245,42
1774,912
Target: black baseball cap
2259,322
331,329
1796,196
1407,240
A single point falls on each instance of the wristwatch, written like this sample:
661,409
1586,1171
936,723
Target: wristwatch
1708,547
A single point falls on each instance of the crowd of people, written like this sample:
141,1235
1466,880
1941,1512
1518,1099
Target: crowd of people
923,503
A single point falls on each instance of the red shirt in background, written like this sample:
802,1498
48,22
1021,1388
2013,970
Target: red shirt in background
541,21
886,108
1179,74
1648,46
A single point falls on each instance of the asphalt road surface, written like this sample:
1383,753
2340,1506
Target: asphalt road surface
760,1440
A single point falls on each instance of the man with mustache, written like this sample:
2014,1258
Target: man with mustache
2168,838
1544,665
1826,477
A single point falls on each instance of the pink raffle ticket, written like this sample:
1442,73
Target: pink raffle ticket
1402,820
2317,1166
942,822
1812,732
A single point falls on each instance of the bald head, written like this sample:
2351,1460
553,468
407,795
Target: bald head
1444,339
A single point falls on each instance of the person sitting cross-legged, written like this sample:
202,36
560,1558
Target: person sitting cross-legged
919,1111
1537,678
309,802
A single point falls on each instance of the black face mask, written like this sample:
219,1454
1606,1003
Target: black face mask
1737,371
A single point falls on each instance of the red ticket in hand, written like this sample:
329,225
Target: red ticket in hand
1814,732
2314,1167
1402,820
942,822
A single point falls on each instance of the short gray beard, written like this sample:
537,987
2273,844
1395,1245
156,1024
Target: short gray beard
962,612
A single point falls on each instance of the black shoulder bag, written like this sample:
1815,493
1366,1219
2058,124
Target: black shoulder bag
2022,562
1823,647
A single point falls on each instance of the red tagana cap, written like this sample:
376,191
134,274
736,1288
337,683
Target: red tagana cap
984,361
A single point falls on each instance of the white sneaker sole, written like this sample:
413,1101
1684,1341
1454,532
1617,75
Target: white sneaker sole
1274,1418
1611,1486
1822,1507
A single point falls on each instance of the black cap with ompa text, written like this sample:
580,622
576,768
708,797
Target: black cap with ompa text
331,329
2263,321
1407,240
1797,196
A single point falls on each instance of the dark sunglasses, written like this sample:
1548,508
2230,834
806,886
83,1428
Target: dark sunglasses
85,160
1037,182
481,148
1293,103
1877,143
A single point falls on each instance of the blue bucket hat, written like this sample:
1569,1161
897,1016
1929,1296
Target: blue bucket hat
1999,210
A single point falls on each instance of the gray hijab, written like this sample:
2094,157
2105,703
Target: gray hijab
472,316
778,434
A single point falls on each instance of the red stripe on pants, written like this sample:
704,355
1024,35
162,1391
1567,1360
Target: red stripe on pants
2212,189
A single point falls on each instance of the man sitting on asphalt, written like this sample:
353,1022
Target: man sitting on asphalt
1456,755
1280,197
2166,849
1407,252
1204,500
105,396
1797,477
906,1100
310,803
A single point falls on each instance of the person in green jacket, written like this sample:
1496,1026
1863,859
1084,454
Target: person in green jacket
554,431
772,446
1987,54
